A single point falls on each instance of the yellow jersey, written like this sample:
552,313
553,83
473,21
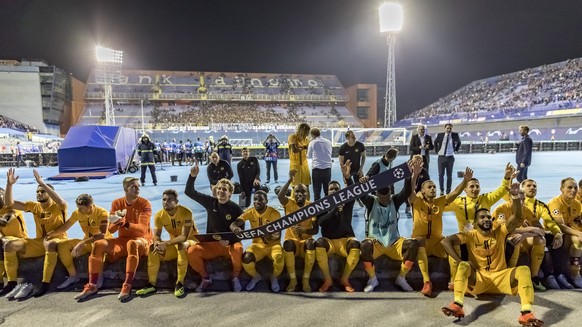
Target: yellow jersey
464,206
486,252
174,224
259,219
297,158
563,211
505,210
427,218
48,219
290,233
90,223
541,210
16,226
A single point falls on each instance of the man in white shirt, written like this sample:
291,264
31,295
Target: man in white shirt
446,145
319,149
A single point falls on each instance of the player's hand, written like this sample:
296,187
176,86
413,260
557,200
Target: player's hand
224,243
121,222
121,213
521,165
514,189
558,241
345,168
11,177
298,229
509,171
257,182
37,176
468,174
195,169
161,247
292,174
364,179
515,239
237,231
3,222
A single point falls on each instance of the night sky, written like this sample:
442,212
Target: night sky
444,44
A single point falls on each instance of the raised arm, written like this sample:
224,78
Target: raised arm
282,195
449,243
459,189
516,218
11,179
190,191
416,168
51,193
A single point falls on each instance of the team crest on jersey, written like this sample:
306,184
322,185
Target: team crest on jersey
221,168
501,216
93,223
217,237
556,212
228,217
357,150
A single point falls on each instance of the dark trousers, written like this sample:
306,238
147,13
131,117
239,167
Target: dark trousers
152,171
320,179
522,173
275,175
446,164
247,189
19,160
426,162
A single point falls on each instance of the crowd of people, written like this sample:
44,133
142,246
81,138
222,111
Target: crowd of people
6,122
514,92
494,228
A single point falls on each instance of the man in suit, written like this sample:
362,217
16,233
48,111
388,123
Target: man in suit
523,153
421,143
445,145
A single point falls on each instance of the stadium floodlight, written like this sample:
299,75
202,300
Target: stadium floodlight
391,20
108,55
108,72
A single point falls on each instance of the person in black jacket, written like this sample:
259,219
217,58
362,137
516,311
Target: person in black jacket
337,236
523,153
221,212
421,143
446,145
224,149
218,169
249,174
146,151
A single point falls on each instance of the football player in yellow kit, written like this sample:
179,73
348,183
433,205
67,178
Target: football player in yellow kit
486,270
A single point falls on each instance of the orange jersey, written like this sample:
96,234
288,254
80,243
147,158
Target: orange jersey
290,233
138,216
428,217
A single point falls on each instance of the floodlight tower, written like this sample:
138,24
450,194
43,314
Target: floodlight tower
391,17
108,72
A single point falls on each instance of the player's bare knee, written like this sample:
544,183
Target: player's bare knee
353,244
51,246
539,240
310,244
322,243
289,246
367,248
248,257
411,244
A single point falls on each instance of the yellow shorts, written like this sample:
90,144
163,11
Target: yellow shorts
261,251
434,247
393,251
172,251
498,282
34,247
299,247
69,244
339,246
302,176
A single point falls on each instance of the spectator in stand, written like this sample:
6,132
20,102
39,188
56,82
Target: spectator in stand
271,144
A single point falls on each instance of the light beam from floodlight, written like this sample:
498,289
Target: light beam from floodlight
391,20
108,72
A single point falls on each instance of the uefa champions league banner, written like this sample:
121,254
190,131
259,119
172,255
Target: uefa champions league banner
318,207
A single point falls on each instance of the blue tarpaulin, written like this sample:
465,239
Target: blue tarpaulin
96,149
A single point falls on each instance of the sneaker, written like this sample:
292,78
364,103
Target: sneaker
179,290
236,286
454,309
88,290
14,291
538,286
306,285
371,285
204,285
125,292
528,319
347,286
564,282
552,283
24,291
150,289
253,282
327,284
292,285
9,287
275,284
44,287
427,289
577,282
68,282
401,281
